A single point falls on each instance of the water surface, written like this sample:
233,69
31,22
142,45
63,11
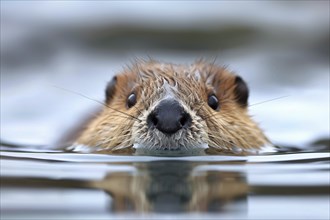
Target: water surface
39,184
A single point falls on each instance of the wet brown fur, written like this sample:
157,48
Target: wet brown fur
118,127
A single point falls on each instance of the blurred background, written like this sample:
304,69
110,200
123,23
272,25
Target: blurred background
281,48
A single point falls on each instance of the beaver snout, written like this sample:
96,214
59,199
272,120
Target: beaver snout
169,117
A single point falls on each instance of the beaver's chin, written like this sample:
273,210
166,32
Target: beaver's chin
170,150
182,142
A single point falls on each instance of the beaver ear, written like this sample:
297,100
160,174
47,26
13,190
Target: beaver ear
110,89
241,91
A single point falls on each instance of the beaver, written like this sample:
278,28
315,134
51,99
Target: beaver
155,107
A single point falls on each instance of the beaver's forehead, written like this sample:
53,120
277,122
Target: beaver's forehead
167,71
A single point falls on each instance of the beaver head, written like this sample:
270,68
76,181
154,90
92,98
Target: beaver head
153,106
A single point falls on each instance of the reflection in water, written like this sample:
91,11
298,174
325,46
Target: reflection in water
173,186
36,184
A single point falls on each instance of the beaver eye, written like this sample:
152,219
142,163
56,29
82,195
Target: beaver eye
213,102
131,100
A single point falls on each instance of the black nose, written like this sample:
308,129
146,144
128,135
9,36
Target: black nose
169,117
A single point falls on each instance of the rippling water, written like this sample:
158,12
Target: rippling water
39,184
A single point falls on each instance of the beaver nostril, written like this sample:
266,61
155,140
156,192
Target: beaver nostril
154,120
168,117
184,121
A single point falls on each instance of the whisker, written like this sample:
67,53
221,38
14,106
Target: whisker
95,100
138,109
200,107
122,116
258,103
209,116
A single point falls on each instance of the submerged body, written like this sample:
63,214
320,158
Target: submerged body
155,107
